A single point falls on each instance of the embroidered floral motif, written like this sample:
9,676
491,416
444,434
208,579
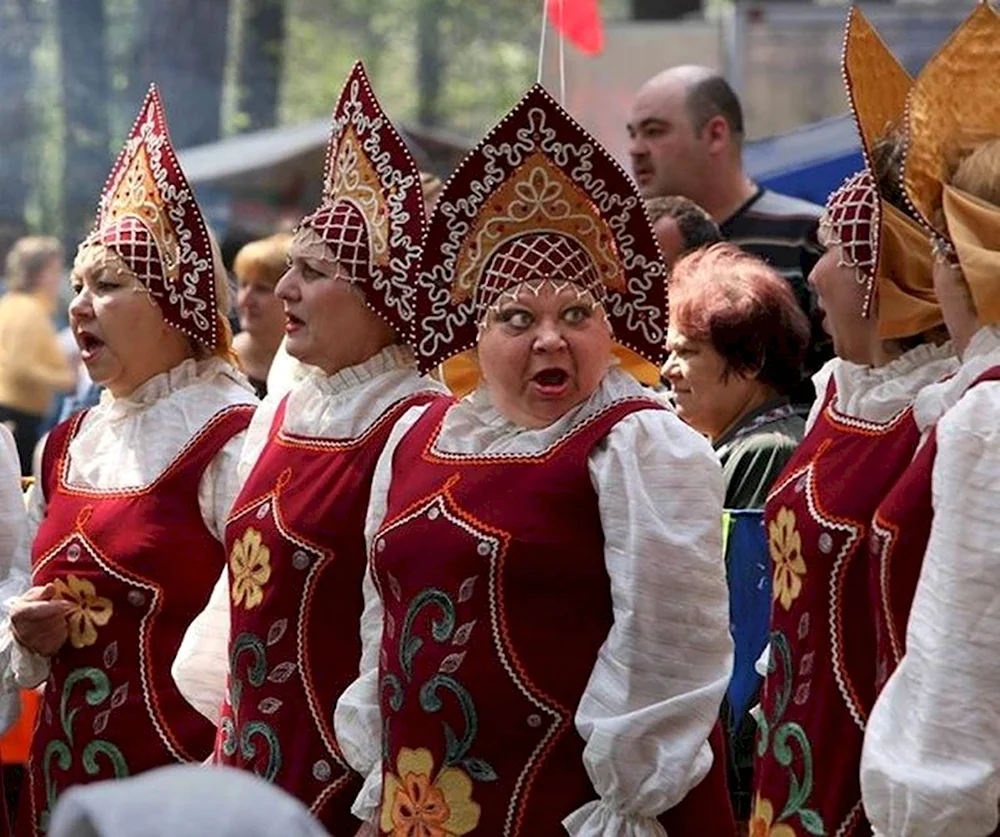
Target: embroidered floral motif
250,568
89,612
786,554
760,822
415,805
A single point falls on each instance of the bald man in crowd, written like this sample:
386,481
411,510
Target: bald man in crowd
686,138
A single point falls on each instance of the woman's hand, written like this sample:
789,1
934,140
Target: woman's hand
38,620
957,305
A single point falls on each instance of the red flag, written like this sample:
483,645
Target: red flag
580,21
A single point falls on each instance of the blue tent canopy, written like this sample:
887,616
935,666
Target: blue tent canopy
807,163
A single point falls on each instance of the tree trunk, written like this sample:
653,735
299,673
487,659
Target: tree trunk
181,45
19,33
430,61
262,56
85,93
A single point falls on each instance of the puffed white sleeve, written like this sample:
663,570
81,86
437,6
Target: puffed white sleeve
931,759
13,576
201,665
357,718
655,692
23,669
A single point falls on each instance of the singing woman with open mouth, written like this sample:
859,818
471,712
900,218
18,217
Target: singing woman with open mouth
546,640
126,521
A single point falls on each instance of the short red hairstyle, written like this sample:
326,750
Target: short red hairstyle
745,310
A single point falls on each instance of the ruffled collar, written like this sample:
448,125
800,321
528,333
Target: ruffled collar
476,426
390,359
982,353
187,373
879,393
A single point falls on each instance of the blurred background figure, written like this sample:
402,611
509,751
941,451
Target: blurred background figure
686,132
680,226
33,365
187,800
736,342
258,267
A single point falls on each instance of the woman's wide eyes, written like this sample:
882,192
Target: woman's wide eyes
517,318
576,315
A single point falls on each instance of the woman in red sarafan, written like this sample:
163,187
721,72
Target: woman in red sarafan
932,750
875,288
127,516
545,639
291,599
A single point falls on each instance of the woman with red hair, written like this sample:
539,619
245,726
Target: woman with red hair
737,339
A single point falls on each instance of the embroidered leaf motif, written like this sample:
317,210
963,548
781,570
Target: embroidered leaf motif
48,714
111,654
101,721
383,658
268,706
277,631
397,591
480,770
802,693
390,626
812,822
451,663
806,664
465,591
119,696
463,633
281,673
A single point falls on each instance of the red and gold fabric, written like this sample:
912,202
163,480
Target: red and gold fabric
539,200
148,215
137,565
889,250
820,686
371,216
296,550
477,682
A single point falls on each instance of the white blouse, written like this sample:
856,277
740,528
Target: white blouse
12,524
931,759
128,443
877,394
339,406
658,681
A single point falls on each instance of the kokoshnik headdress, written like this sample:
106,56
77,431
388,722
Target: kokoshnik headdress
953,107
149,217
539,199
371,216
889,250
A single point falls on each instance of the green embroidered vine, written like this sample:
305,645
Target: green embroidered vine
236,738
457,749
799,789
443,630
62,751
249,751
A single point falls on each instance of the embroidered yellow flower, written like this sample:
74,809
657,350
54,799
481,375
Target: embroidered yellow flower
415,806
760,822
786,554
249,569
89,612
